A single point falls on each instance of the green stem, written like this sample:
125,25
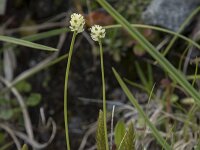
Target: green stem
104,95
65,90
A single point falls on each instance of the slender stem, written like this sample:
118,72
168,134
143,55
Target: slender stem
65,90
104,95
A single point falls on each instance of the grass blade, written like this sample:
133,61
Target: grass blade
46,34
141,112
141,75
26,43
38,36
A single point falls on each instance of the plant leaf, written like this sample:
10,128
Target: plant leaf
100,137
129,141
34,99
120,131
23,86
26,43
6,114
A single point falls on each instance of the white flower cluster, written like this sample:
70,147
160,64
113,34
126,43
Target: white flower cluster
77,23
97,32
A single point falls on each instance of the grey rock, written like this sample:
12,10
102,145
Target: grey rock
169,13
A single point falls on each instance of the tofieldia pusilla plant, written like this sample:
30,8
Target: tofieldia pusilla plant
97,34
77,23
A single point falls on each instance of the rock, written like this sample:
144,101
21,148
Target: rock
169,13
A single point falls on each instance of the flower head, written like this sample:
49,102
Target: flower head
97,32
77,22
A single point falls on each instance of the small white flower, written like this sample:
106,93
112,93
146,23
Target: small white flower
77,22
97,32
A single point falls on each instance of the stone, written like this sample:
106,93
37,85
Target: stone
169,13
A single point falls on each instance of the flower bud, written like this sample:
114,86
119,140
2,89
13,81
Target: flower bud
77,23
97,32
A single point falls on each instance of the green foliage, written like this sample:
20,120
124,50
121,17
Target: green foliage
34,99
6,114
100,134
174,98
167,66
147,82
124,140
120,130
166,31
129,140
135,103
132,9
139,50
23,86
25,43
3,101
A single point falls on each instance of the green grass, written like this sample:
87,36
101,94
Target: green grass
165,64
141,112
26,43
